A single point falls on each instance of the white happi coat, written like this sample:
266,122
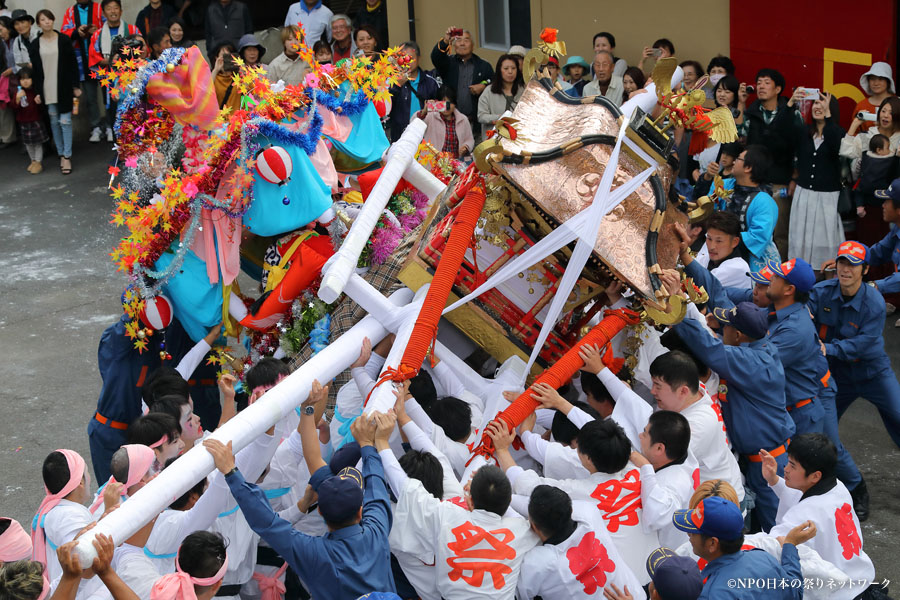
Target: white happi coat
838,534
709,445
579,567
477,554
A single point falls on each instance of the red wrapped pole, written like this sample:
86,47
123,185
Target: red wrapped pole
560,372
425,330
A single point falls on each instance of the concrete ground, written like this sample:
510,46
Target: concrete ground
59,291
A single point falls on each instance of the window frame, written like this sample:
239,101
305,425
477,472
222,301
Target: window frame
482,28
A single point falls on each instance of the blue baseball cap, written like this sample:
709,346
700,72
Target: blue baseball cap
891,193
797,272
854,252
674,577
341,496
713,517
763,276
746,317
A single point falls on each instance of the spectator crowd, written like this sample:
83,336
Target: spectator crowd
716,459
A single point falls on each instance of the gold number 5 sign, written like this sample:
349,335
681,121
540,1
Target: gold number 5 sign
843,90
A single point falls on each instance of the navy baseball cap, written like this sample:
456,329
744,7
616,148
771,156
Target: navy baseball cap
341,496
854,252
713,517
796,271
891,193
674,577
746,317
763,276
347,455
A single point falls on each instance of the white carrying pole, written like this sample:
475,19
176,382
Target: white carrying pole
646,100
241,430
400,155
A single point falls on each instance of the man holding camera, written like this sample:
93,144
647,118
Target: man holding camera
463,71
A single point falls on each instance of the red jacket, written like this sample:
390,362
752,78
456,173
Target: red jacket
95,53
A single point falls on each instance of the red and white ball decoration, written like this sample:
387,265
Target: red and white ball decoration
274,164
157,312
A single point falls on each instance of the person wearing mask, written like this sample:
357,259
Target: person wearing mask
605,82
226,21
177,29
375,13
815,225
878,84
606,42
288,66
632,80
366,39
661,48
574,72
56,83
504,93
343,45
770,123
315,18
80,22
155,14
716,534
409,94
464,72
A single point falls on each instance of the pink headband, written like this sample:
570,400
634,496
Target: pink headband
15,544
161,441
180,586
140,459
77,472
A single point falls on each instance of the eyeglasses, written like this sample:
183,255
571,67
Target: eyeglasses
739,158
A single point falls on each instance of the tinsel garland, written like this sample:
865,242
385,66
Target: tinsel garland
142,77
354,105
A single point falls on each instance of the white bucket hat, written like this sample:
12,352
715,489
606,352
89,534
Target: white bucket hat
879,69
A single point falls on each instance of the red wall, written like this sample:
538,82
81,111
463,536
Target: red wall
807,39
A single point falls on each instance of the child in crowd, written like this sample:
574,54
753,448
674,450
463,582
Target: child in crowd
31,123
322,50
874,171
448,130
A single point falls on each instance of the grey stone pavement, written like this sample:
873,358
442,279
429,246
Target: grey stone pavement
59,290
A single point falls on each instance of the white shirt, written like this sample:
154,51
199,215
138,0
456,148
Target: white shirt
731,273
618,498
838,534
710,445
314,23
579,567
458,541
61,525
172,526
662,493
614,92
135,569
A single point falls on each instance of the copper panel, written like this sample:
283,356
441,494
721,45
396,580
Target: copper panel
565,186
545,123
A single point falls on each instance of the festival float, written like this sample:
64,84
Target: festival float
351,237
